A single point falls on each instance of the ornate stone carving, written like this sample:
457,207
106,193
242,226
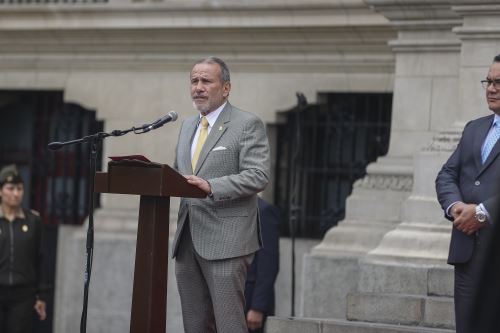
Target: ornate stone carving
444,142
403,183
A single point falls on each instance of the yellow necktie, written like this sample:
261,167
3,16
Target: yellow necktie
201,140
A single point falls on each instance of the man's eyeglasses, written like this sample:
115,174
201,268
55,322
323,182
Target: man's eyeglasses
487,83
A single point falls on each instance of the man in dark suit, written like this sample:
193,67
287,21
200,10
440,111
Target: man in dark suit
259,287
467,191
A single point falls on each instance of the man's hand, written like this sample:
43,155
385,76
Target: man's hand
254,319
40,308
200,183
465,218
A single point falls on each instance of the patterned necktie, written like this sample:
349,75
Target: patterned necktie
201,140
490,141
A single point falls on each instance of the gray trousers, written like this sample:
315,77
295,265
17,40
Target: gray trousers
212,291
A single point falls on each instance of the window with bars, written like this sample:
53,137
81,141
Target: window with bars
56,182
322,149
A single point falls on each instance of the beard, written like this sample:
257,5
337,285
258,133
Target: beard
208,105
203,108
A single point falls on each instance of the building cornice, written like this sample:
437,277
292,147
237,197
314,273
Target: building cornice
190,14
322,36
417,14
297,50
480,19
423,25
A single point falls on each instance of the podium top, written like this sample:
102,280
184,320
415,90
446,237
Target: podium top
144,178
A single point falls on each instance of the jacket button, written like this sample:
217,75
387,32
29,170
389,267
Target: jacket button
477,183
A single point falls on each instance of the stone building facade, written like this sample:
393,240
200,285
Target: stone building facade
129,60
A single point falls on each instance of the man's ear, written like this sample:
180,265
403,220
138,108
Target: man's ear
227,89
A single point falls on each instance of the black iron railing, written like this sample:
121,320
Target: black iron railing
322,150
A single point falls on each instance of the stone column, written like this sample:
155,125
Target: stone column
426,85
410,260
425,96
424,236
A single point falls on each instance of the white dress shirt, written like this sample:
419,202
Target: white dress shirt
212,118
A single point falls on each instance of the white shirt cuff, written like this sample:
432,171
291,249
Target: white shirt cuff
449,208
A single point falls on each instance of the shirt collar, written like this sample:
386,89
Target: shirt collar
212,116
496,120
19,213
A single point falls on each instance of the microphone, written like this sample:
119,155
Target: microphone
169,117
55,145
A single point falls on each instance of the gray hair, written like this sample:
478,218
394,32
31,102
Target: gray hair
224,70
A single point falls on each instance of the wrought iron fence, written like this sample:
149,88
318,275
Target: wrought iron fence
322,150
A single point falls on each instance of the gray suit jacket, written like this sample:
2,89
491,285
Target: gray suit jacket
226,225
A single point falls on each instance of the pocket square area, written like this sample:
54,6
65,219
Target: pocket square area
219,148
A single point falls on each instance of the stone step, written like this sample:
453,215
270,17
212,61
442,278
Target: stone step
398,309
406,279
441,281
311,325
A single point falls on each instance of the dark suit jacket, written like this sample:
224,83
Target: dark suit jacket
486,310
465,178
259,289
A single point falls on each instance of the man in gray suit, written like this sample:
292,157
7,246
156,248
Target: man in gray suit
225,152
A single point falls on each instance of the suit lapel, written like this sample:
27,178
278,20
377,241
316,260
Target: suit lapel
491,157
216,132
478,142
483,132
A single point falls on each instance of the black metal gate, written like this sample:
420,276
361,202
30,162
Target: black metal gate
321,150
57,182
63,179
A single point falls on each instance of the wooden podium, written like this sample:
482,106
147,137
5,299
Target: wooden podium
155,183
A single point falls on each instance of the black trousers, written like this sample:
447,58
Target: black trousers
467,277
16,309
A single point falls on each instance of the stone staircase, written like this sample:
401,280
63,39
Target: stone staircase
310,325
403,295
409,310
389,299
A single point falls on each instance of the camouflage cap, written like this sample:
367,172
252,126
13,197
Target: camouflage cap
9,174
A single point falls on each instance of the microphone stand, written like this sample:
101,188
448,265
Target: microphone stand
95,140
295,207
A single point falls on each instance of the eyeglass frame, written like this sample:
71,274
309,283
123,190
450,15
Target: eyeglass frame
487,83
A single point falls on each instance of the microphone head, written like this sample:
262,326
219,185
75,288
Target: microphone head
173,115
55,145
169,117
